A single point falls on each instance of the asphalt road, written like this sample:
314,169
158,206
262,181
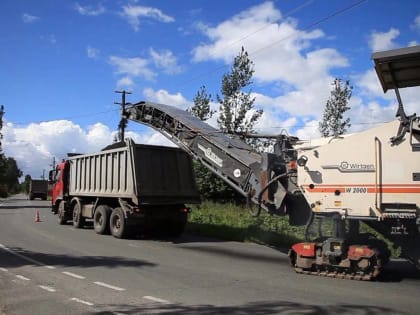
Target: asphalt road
46,268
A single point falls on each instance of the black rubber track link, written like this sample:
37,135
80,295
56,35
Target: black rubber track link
373,273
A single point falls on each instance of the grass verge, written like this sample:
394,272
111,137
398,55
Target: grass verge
232,222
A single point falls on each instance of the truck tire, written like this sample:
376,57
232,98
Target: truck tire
118,224
61,215
78,219
101,219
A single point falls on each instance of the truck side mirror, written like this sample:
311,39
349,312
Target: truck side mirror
51,176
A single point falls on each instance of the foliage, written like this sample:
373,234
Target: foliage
1,123
211,187
201,108
237,113
9,171
333,123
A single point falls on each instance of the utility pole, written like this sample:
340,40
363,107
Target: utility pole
123,121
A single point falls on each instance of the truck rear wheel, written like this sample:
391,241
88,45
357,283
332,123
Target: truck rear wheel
101,219
78,219
118,223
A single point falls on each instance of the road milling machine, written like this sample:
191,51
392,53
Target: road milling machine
372,176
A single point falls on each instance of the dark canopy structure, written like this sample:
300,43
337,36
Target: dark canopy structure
398,68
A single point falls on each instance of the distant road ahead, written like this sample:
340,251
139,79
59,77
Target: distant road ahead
46,268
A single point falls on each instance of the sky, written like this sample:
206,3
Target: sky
62,60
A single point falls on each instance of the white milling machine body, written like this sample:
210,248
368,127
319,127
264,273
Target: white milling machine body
371,176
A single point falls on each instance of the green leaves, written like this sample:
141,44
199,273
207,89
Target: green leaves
237,114
201,108
333,122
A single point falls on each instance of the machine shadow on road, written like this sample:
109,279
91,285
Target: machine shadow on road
398,270
18,257
266,308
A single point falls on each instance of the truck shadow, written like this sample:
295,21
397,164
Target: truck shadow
263,307
17,257
32,207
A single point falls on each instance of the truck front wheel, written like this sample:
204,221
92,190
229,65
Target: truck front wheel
118,224
101,219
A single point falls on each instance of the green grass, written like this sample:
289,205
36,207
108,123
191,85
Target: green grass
232,222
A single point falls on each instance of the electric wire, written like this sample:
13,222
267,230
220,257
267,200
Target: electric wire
257,51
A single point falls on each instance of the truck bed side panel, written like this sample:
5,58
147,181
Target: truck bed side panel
106,174
164,175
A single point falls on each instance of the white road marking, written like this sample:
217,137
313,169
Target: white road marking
22,278
109,286
155,299
36,262
73,275
4,269
81,301
47,288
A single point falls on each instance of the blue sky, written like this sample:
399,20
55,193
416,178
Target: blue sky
60,62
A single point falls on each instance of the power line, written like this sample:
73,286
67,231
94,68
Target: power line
318,22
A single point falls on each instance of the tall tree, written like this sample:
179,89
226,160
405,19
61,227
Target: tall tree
201,108
237,113
333,122
10,173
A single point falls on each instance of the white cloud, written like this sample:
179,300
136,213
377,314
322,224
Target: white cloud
90,10
283,55
416,24
49,38
92,52
126,82
27,18
165,60
380,41
164,97
134,13
132,67
34,146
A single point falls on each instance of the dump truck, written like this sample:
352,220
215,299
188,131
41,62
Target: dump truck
126,188
371,177
38,188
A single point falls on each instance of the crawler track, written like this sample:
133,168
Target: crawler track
369,274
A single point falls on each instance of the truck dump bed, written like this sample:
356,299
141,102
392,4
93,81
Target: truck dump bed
146,174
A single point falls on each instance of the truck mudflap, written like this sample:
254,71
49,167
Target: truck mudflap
334,259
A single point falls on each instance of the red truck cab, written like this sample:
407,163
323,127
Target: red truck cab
59,180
